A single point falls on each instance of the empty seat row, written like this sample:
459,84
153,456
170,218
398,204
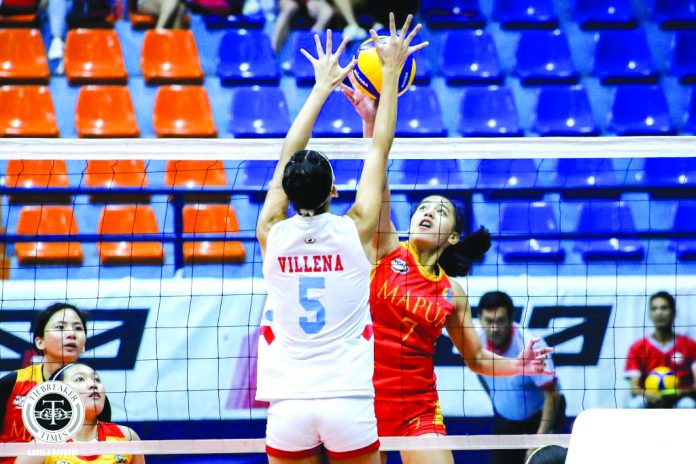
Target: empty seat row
126,219
544,57
590,14
572,177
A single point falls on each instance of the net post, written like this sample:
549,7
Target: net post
178,205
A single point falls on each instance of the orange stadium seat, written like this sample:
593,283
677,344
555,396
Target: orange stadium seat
27,111
94,56
105,111
116,174
129,219
183,111
19,20
218,219
22,56
197,175
48,220
37,174
170,56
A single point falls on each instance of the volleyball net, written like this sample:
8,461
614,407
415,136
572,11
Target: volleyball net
584,232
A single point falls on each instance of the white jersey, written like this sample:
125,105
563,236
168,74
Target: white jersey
316,332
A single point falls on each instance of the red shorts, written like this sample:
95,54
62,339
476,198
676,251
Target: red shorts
407,418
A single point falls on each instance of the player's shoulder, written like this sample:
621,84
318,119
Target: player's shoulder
684,340
641,344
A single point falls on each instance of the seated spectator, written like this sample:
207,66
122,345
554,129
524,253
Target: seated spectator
170,13
319,10
522,405
57,11
345,8
662,348
551,454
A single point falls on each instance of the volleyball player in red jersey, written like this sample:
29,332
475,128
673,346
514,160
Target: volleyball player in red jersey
412,300
87,384
60,336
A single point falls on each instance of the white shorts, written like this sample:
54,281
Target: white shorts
346,427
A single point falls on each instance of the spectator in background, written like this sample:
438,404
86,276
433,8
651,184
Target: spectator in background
170,13
662,348
352,31
551,454
57,11
522,405
319,10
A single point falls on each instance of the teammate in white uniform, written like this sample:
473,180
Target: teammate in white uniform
316,347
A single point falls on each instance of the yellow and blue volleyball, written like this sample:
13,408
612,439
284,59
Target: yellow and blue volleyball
661,380
368,70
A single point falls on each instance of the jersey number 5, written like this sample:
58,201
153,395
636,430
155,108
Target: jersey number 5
312,305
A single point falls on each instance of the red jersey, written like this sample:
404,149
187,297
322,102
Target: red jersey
13,430
646,354
106,431
409,309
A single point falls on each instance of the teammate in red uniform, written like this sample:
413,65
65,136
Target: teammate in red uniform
88,384
59,334
412,300
662,348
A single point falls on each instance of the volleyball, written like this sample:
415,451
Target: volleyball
662,380
368,70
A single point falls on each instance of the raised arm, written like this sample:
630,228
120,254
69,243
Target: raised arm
368,199
328,74
461,330
386,239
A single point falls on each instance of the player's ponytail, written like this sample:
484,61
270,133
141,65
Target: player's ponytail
456,260
307,181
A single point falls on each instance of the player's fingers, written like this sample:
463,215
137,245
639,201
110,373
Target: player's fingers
345,71
375,37
413,33
392,25
545,350
308,55
404,29
415,48
352,80
317,42
341,47
547,372
329,42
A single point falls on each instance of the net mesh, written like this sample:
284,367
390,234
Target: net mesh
175,343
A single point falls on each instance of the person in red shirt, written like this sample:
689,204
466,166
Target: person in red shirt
662,348
412,300
60,336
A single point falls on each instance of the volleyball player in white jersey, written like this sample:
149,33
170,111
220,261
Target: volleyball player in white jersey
316,350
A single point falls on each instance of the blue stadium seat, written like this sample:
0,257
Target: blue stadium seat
489,112
446,14
507,174
604,14
564,111
246,57
641,110
523,14
420,114
669,172
685,221
623,57
587,174
543,57
255,175
426,174
259,112
690,125
300,67
672,14
338,118
347,172
470,57
536,219
256,21
684,56
607,217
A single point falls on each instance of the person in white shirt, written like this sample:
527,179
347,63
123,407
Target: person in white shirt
523,405
316,350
